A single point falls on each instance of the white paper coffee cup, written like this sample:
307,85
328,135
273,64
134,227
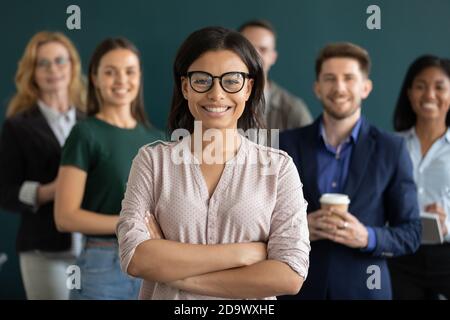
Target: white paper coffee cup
334,200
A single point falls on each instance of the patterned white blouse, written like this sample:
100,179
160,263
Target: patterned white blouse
259,197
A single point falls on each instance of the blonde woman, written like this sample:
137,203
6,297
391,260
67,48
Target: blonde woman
49,99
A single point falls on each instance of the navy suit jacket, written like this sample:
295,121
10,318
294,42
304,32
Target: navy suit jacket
383,196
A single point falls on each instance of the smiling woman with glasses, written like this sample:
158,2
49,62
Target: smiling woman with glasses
220,223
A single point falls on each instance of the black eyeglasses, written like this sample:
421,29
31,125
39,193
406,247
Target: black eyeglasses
231,82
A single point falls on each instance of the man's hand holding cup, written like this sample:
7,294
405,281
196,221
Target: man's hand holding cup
335,223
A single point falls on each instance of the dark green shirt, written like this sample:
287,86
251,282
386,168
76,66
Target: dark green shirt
105,152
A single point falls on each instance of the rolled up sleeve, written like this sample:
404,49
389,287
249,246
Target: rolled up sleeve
289,235
138,200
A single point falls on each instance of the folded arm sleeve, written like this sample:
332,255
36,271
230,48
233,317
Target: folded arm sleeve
289,235
131,228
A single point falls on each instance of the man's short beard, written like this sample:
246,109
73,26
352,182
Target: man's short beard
339,116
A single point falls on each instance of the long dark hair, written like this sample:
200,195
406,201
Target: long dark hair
213,39
93,100
404,116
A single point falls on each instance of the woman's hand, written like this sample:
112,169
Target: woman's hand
253,252
46,193
153,227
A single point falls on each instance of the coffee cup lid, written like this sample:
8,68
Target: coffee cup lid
334,198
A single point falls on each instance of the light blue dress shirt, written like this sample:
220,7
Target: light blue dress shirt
431,172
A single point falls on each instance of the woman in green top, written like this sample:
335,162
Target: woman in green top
95,164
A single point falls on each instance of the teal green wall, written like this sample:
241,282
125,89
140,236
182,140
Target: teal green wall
409,28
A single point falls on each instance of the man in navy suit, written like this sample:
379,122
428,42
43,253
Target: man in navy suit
342,153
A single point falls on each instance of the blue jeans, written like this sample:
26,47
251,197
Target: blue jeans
101,276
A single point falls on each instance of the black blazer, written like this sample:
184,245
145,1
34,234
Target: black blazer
30,151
